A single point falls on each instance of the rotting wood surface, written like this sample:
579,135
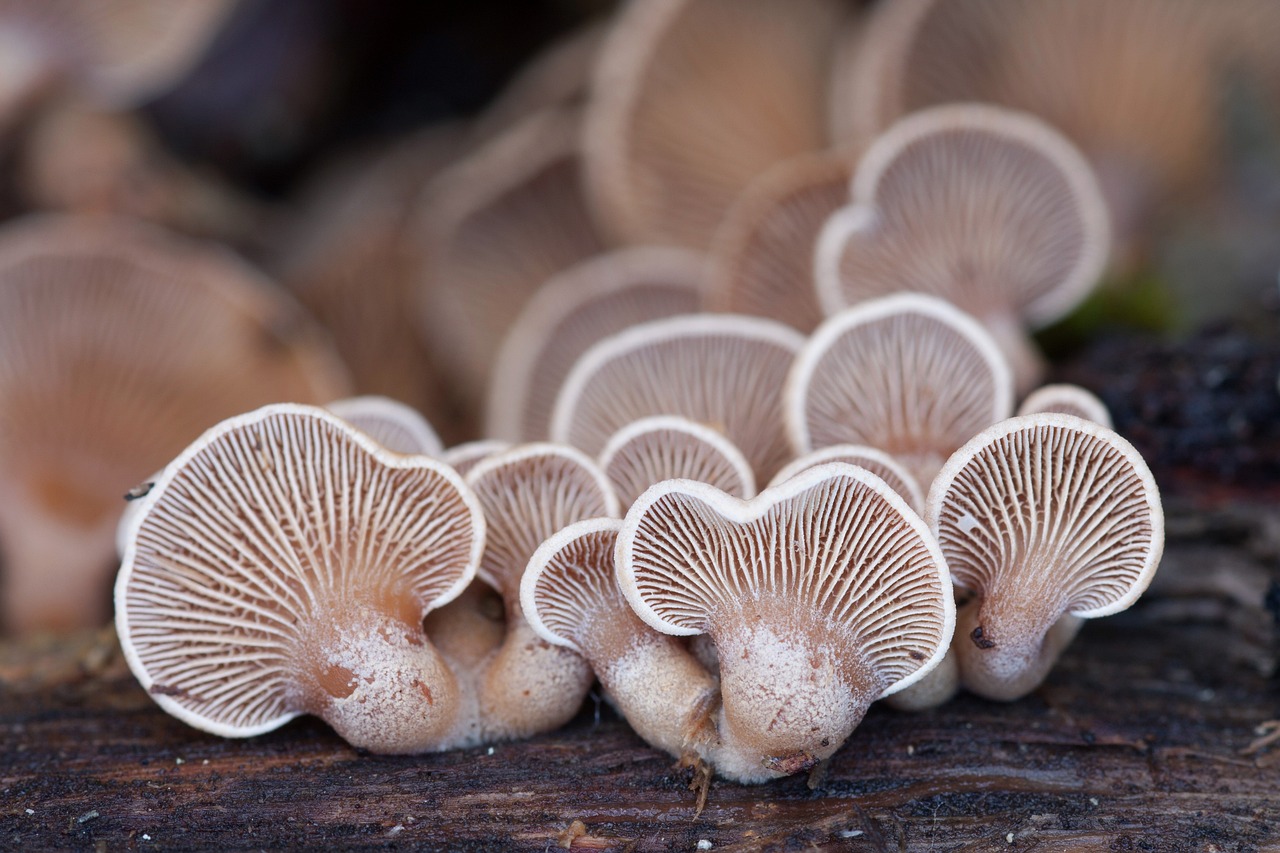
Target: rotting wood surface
1136,742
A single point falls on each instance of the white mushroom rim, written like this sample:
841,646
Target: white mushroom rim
849,454
696,431
1055,398
744,512
1012,125
1151,492
397,415
657,332
385,457
795,396
538,564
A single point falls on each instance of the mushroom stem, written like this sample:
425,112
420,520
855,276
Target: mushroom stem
529,686
936,688
1026,362
373,676
792,689
653,681
1006,656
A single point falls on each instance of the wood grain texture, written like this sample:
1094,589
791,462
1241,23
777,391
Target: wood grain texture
1134,743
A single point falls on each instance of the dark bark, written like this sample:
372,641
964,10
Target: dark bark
1136,742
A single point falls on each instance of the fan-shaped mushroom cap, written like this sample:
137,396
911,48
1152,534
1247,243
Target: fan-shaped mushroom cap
120,344
990,209
1049,519
1066,400
876,461
666,447
822,594
762,254
1106,72
694,98
572,598
529,493
494,227
463,457
724,371
392,424
909,374
122,51
575,309
283,565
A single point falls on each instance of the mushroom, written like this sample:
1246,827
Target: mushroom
529,493
724,371
1048,519
1106,72
692,99
822,594
1068,400
585,303
397,427
762,253
122,344
870,459
492,228
909,374
990,209
572,598
283,566
463,457
666,447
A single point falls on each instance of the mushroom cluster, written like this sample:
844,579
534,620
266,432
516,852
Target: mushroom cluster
700,364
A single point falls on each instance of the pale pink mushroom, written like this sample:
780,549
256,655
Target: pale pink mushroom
394,425
822,594
463,457
573,310
283,565
724,371
993,210
121,345
529,493
762,254
1048,519
692,99
908,374
876,461
666,447
1066,400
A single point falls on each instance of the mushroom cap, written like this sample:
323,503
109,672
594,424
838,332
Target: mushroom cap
726,371
991,209
121,345
909,374
528,493
493,228
255,534
463,457
1103,71
1047,509
834,539
762,253
569,578
395,425
667,447
1067,400
694,98
575,309
871,459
